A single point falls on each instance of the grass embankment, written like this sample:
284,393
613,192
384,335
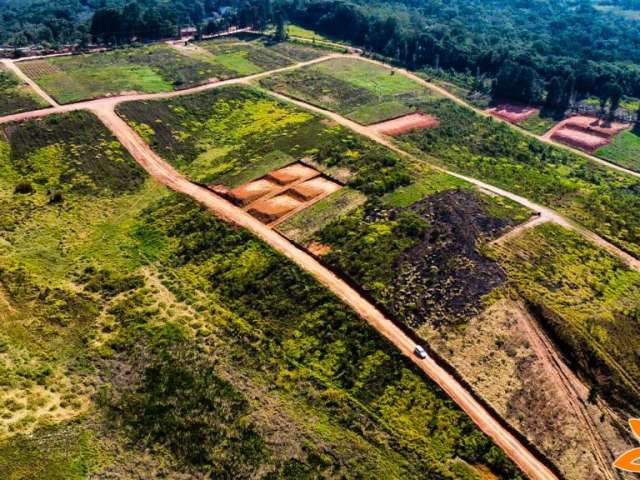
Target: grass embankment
588,299
16,97
159,68
135,300
624,150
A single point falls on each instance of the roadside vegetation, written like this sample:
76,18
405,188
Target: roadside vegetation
177,345
160,67
587,299
16,97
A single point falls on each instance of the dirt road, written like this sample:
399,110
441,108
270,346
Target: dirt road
168,176
546,214
10,65
110,102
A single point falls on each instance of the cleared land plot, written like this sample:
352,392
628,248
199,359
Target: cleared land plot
586,133
15,96
512,113
158,68
362,91
405,124
624,149
587,299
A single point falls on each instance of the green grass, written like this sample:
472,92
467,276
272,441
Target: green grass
158,68
297,31
16,97
589,300
624,150
364,92
302,227
538,124
424,185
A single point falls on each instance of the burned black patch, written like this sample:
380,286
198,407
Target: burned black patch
443,278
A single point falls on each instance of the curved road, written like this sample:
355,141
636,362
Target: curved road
168,176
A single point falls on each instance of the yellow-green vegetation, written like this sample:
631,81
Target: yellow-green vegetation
588,299
16,97
232,135
300,32
302,227
158,68
364,92
184,347
624,150
538,123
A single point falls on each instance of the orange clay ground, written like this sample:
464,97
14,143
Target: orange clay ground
512,113
585,133
281,193
405,124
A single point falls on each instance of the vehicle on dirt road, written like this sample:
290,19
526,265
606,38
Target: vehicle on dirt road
420,352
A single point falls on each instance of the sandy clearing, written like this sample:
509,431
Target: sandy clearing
512,113
405,124
291,173
315,187
249,192
167,175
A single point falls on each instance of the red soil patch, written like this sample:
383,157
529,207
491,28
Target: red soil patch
313,188
512,113
271,209
318,249
406,124
251,191
291,173
586,133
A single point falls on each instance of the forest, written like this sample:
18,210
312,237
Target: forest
533,52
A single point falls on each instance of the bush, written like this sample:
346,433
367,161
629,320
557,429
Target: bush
24,188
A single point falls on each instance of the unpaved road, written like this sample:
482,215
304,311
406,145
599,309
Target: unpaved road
168,176
546,214
36,88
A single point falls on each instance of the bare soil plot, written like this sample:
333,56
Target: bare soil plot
512,113
586,133
406,124
281,193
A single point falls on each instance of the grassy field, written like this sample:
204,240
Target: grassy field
16,97
363,92
143,337
538,124
587,298
623,150
236,134
159,68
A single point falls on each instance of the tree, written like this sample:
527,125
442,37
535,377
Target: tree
106,24
555,92
281,27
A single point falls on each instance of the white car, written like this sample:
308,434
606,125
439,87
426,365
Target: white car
420,352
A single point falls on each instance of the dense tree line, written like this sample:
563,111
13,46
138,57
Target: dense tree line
567,47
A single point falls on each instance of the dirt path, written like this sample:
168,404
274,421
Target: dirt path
520,229
36,88
168,176
461,102
574,391
546,214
